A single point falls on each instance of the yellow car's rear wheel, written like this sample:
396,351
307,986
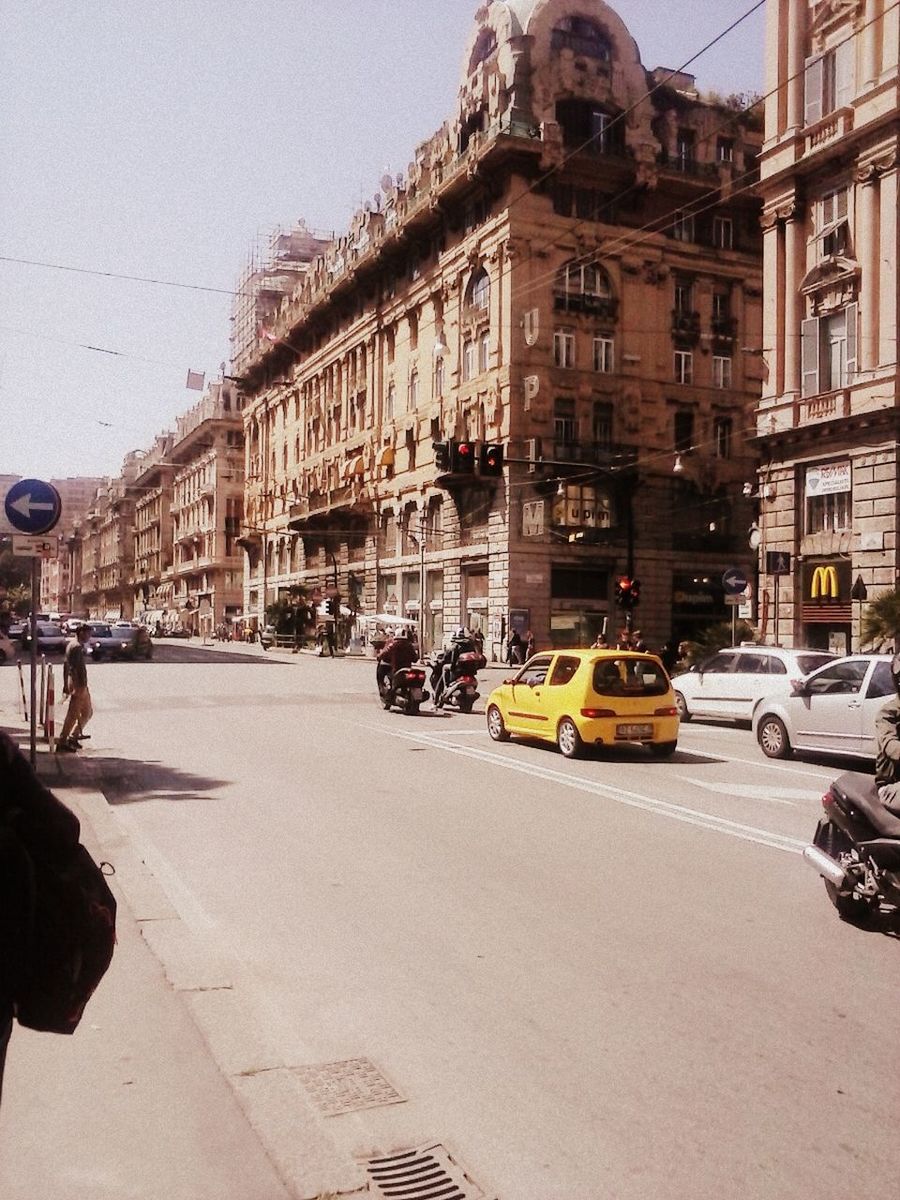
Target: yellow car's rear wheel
568,738
496,725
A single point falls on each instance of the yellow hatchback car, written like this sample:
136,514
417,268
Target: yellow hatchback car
580,698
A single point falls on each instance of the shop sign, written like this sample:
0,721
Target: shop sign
828,479
533,518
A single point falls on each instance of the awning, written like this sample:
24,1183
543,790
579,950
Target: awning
112,615
386,457
354,466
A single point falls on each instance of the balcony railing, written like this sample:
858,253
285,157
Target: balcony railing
685,324
582,302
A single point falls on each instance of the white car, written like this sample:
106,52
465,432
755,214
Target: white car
731,683
831,711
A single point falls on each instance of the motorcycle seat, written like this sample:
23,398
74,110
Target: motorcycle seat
862,792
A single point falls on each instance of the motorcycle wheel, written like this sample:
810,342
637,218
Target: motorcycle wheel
466,704
412,707
854,909
568,738
496,725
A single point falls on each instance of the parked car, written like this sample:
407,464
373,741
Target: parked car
51,638
131,641
587,697
732,682
267,637
831,711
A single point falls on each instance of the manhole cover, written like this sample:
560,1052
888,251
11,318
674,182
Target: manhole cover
428,1173
342,1087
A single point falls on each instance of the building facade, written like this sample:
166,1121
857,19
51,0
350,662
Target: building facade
569,271
153,546
827,424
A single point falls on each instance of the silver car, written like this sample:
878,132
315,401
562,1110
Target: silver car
731,683
831,711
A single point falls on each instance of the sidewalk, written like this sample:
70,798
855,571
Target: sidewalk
132,1107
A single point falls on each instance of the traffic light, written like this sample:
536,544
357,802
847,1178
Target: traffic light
490,460
635,592
441,455
333,606
623,592
462,458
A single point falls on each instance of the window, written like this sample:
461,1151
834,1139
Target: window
485,46
565,422
684,149
389,340
629,677
684,430
413,331
832,233
684,296
723,430
582,507
684,366
412,396
478,294
829,513
564,348
721,371
484,351
564,671
881,683
602,423
469,369
843,679
829,81
582,287
582,37
439,377
723,233
535,672
721,307
683,226
389,402
828,350
589,128
724,150
604,358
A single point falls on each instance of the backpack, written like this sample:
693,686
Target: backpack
70,941
57,914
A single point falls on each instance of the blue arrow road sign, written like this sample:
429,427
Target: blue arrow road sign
32,506
734,581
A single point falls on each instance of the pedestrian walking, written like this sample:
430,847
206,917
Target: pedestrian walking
638,643
75,686
600,642
530,646
513,646
24,801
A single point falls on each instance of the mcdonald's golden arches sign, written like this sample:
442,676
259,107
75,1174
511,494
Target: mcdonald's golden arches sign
826,593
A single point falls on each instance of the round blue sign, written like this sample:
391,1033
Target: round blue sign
32,506
734,581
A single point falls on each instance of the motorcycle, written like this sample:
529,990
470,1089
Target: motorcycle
462,690
856,848
404,690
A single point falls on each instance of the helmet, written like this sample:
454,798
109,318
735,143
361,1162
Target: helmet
461,635
895,672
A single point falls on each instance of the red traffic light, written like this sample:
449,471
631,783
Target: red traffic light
462,457
491,460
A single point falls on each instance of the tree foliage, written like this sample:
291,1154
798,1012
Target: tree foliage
715,637
881,620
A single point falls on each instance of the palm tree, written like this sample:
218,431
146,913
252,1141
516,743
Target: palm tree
881,622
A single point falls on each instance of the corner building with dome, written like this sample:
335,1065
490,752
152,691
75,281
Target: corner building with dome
569,270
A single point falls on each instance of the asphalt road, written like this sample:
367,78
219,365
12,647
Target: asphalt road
609,978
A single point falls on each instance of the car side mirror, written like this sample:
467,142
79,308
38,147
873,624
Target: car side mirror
511,679
799,687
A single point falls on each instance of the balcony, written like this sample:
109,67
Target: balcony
830,129
605,307
724,329
685,325
604,455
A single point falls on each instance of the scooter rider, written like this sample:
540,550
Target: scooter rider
460,643
887,744
397,654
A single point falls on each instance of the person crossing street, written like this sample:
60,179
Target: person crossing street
75,686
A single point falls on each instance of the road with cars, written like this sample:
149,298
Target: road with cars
611,976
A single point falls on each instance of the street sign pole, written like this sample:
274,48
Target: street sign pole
35,602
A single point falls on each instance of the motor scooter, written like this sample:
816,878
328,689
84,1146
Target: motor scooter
405,689
462,690
856,848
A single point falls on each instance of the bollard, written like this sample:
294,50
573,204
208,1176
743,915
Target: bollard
42,709
50,719
22,688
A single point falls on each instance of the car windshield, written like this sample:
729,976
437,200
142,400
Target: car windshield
629,677
811,662
48,630
101,631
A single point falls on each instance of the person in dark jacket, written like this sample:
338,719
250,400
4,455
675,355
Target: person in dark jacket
30,815
399,652
887,743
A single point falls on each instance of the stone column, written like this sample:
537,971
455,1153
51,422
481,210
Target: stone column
774,105
794,263
870,66
771,325
887,274
798,11
868,252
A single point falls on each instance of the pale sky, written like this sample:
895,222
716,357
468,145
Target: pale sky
160,139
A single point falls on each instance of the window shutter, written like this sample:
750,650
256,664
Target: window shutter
814,77
844,64
809,342
851,314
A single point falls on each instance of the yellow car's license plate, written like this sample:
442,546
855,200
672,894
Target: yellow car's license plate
633,732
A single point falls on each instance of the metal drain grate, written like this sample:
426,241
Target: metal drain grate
347,1086
428,1173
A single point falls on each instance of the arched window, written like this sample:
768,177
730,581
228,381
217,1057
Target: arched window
478,293
583,287
582,36
485,46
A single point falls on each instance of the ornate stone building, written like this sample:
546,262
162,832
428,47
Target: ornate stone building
570,270
827,423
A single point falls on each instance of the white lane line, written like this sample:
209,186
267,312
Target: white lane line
751,791
676,812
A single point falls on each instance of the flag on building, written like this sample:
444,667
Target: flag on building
196,380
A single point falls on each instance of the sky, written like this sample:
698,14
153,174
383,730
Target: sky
164,140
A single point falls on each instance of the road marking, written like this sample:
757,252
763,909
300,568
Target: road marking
664,808
750,791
